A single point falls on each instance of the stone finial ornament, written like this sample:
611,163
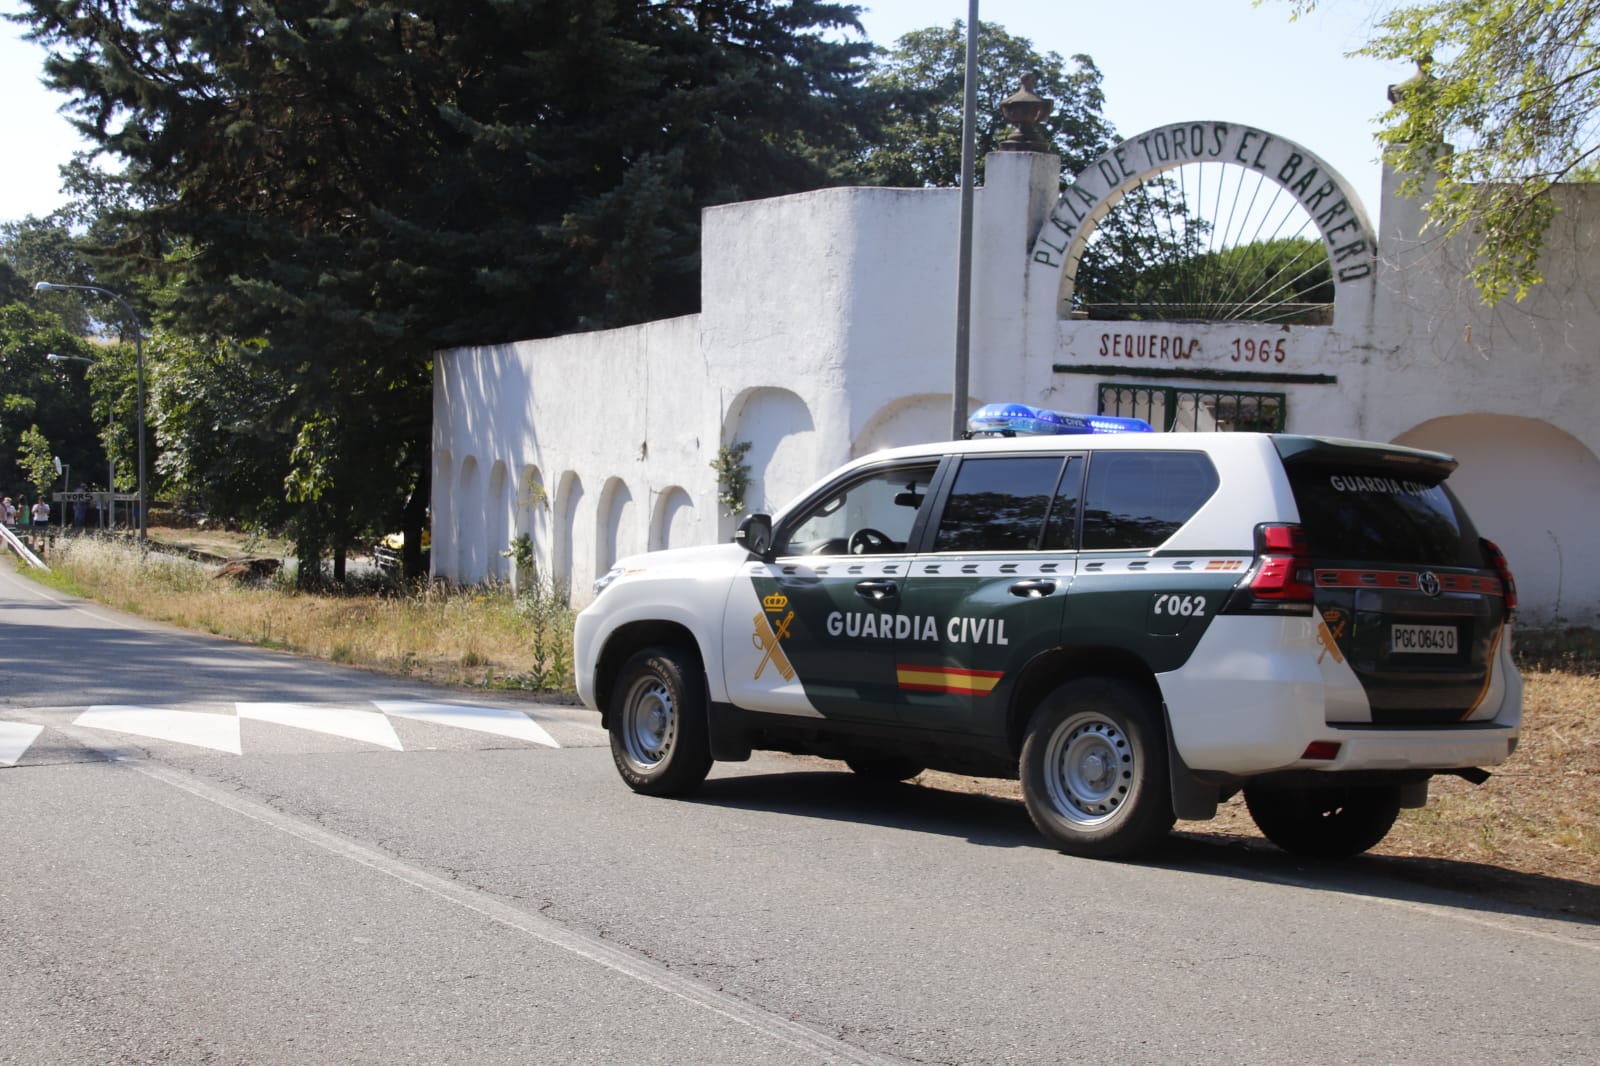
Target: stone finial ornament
1025,109
1423,74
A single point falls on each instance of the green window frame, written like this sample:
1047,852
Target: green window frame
1171,409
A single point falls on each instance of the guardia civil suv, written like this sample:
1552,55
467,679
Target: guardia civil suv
1138,625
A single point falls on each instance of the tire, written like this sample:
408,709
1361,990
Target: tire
1332,823
1094,769
660,738
886,770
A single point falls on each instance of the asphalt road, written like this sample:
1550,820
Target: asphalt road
213,854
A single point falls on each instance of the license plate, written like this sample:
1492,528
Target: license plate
1422,640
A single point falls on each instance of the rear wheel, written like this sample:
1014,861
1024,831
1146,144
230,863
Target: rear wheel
1094,769
659,735
1329,823
887,770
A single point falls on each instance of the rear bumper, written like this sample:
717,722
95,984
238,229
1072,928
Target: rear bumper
1443,748
1256,692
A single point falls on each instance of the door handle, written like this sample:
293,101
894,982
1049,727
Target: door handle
877,589
1033,588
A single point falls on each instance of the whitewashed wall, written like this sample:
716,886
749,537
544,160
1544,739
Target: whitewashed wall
827,331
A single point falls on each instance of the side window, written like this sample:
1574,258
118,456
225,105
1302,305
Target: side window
871,515
1139,499
999,504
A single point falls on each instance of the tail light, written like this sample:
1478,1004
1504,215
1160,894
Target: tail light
1280,582
1497,559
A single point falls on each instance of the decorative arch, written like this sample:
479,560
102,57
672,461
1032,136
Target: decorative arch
1325,195
441,511
614,525
781,432
1544,522
907,420
464,518
569,492
497,528
675,523
532,515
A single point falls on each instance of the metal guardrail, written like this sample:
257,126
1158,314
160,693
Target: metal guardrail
21,549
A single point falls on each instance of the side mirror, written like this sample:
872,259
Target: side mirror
754,534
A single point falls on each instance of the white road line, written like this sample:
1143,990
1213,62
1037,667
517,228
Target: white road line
494,720
219,732
812,1042
370,727
16,738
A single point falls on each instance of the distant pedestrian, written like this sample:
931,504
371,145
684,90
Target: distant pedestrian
8,512
41,512
22,511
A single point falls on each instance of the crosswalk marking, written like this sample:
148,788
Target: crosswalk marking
494,720
220,732
368,726
15,738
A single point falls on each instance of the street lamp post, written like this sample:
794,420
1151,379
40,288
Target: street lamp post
138,355
65,470
110,516
969,125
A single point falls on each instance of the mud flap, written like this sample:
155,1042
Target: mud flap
1414,794
728,743
1192,799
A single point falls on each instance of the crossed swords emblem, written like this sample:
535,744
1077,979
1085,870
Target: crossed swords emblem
766,639
1330,630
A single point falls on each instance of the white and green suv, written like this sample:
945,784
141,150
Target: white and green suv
1138,626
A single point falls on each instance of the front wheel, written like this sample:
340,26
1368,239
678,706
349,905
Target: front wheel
660,740
1094,769
1331,823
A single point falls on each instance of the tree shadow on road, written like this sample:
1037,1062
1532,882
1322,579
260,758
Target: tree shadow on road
993,821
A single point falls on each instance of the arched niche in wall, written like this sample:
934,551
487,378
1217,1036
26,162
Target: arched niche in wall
1534,490
532,518
569,493
441,516
779,427
675,523
497,525
614,536
466,514
908,420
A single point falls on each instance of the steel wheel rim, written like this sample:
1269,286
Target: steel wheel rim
649,722
1089,769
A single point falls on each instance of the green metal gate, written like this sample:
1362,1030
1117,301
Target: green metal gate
1205,410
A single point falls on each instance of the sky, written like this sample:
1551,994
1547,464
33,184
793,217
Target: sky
1162,61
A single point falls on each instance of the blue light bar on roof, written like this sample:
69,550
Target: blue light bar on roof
1019,419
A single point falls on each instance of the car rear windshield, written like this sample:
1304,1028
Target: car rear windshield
1378,515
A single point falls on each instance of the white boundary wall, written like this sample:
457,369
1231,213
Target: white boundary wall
827,331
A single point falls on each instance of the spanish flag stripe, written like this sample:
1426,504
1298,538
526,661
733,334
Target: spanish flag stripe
948,679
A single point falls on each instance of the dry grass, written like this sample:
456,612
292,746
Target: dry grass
475,637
